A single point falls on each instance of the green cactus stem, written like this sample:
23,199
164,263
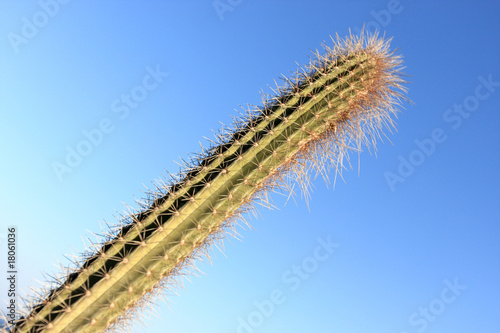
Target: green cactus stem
341,100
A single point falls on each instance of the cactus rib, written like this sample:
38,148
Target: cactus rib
339,102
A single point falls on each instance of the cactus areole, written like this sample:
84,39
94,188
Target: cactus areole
340,101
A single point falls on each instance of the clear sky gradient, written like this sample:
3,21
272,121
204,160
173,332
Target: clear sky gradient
418,225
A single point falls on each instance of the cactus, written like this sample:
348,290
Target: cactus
339,101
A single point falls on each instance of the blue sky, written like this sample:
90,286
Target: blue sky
418,226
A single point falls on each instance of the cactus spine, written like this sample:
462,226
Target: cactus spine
343,97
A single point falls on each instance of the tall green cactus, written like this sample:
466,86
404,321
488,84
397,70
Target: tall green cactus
340,100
